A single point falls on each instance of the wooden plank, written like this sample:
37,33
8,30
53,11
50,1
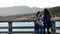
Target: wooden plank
23,31
25,27
3,27
29,27
57,27
19,21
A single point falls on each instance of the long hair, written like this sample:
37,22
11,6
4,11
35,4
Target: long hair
46,11
38,13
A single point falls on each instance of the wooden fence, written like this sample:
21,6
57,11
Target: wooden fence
53,28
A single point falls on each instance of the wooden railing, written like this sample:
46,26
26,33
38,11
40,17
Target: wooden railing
53,28
10,27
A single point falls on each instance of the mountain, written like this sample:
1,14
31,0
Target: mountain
55,11
9,13
12,13
18,10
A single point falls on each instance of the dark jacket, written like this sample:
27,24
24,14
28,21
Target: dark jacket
47,20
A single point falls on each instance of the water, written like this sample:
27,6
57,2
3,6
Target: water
16,24
57,24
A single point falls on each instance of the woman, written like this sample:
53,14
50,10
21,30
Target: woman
39,24
46,21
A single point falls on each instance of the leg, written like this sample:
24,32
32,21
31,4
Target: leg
44,30
48,30
40,29
36,28
36,31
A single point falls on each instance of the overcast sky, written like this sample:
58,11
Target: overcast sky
30,3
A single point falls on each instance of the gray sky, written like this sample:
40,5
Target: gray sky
30,3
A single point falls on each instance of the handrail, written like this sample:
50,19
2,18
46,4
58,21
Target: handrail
53,28
10,27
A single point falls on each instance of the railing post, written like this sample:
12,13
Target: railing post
35,28
10,27
53,29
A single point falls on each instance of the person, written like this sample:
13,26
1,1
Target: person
39,23
46,21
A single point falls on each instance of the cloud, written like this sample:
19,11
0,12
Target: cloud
30,3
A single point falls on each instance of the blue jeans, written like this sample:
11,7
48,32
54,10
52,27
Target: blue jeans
39,30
